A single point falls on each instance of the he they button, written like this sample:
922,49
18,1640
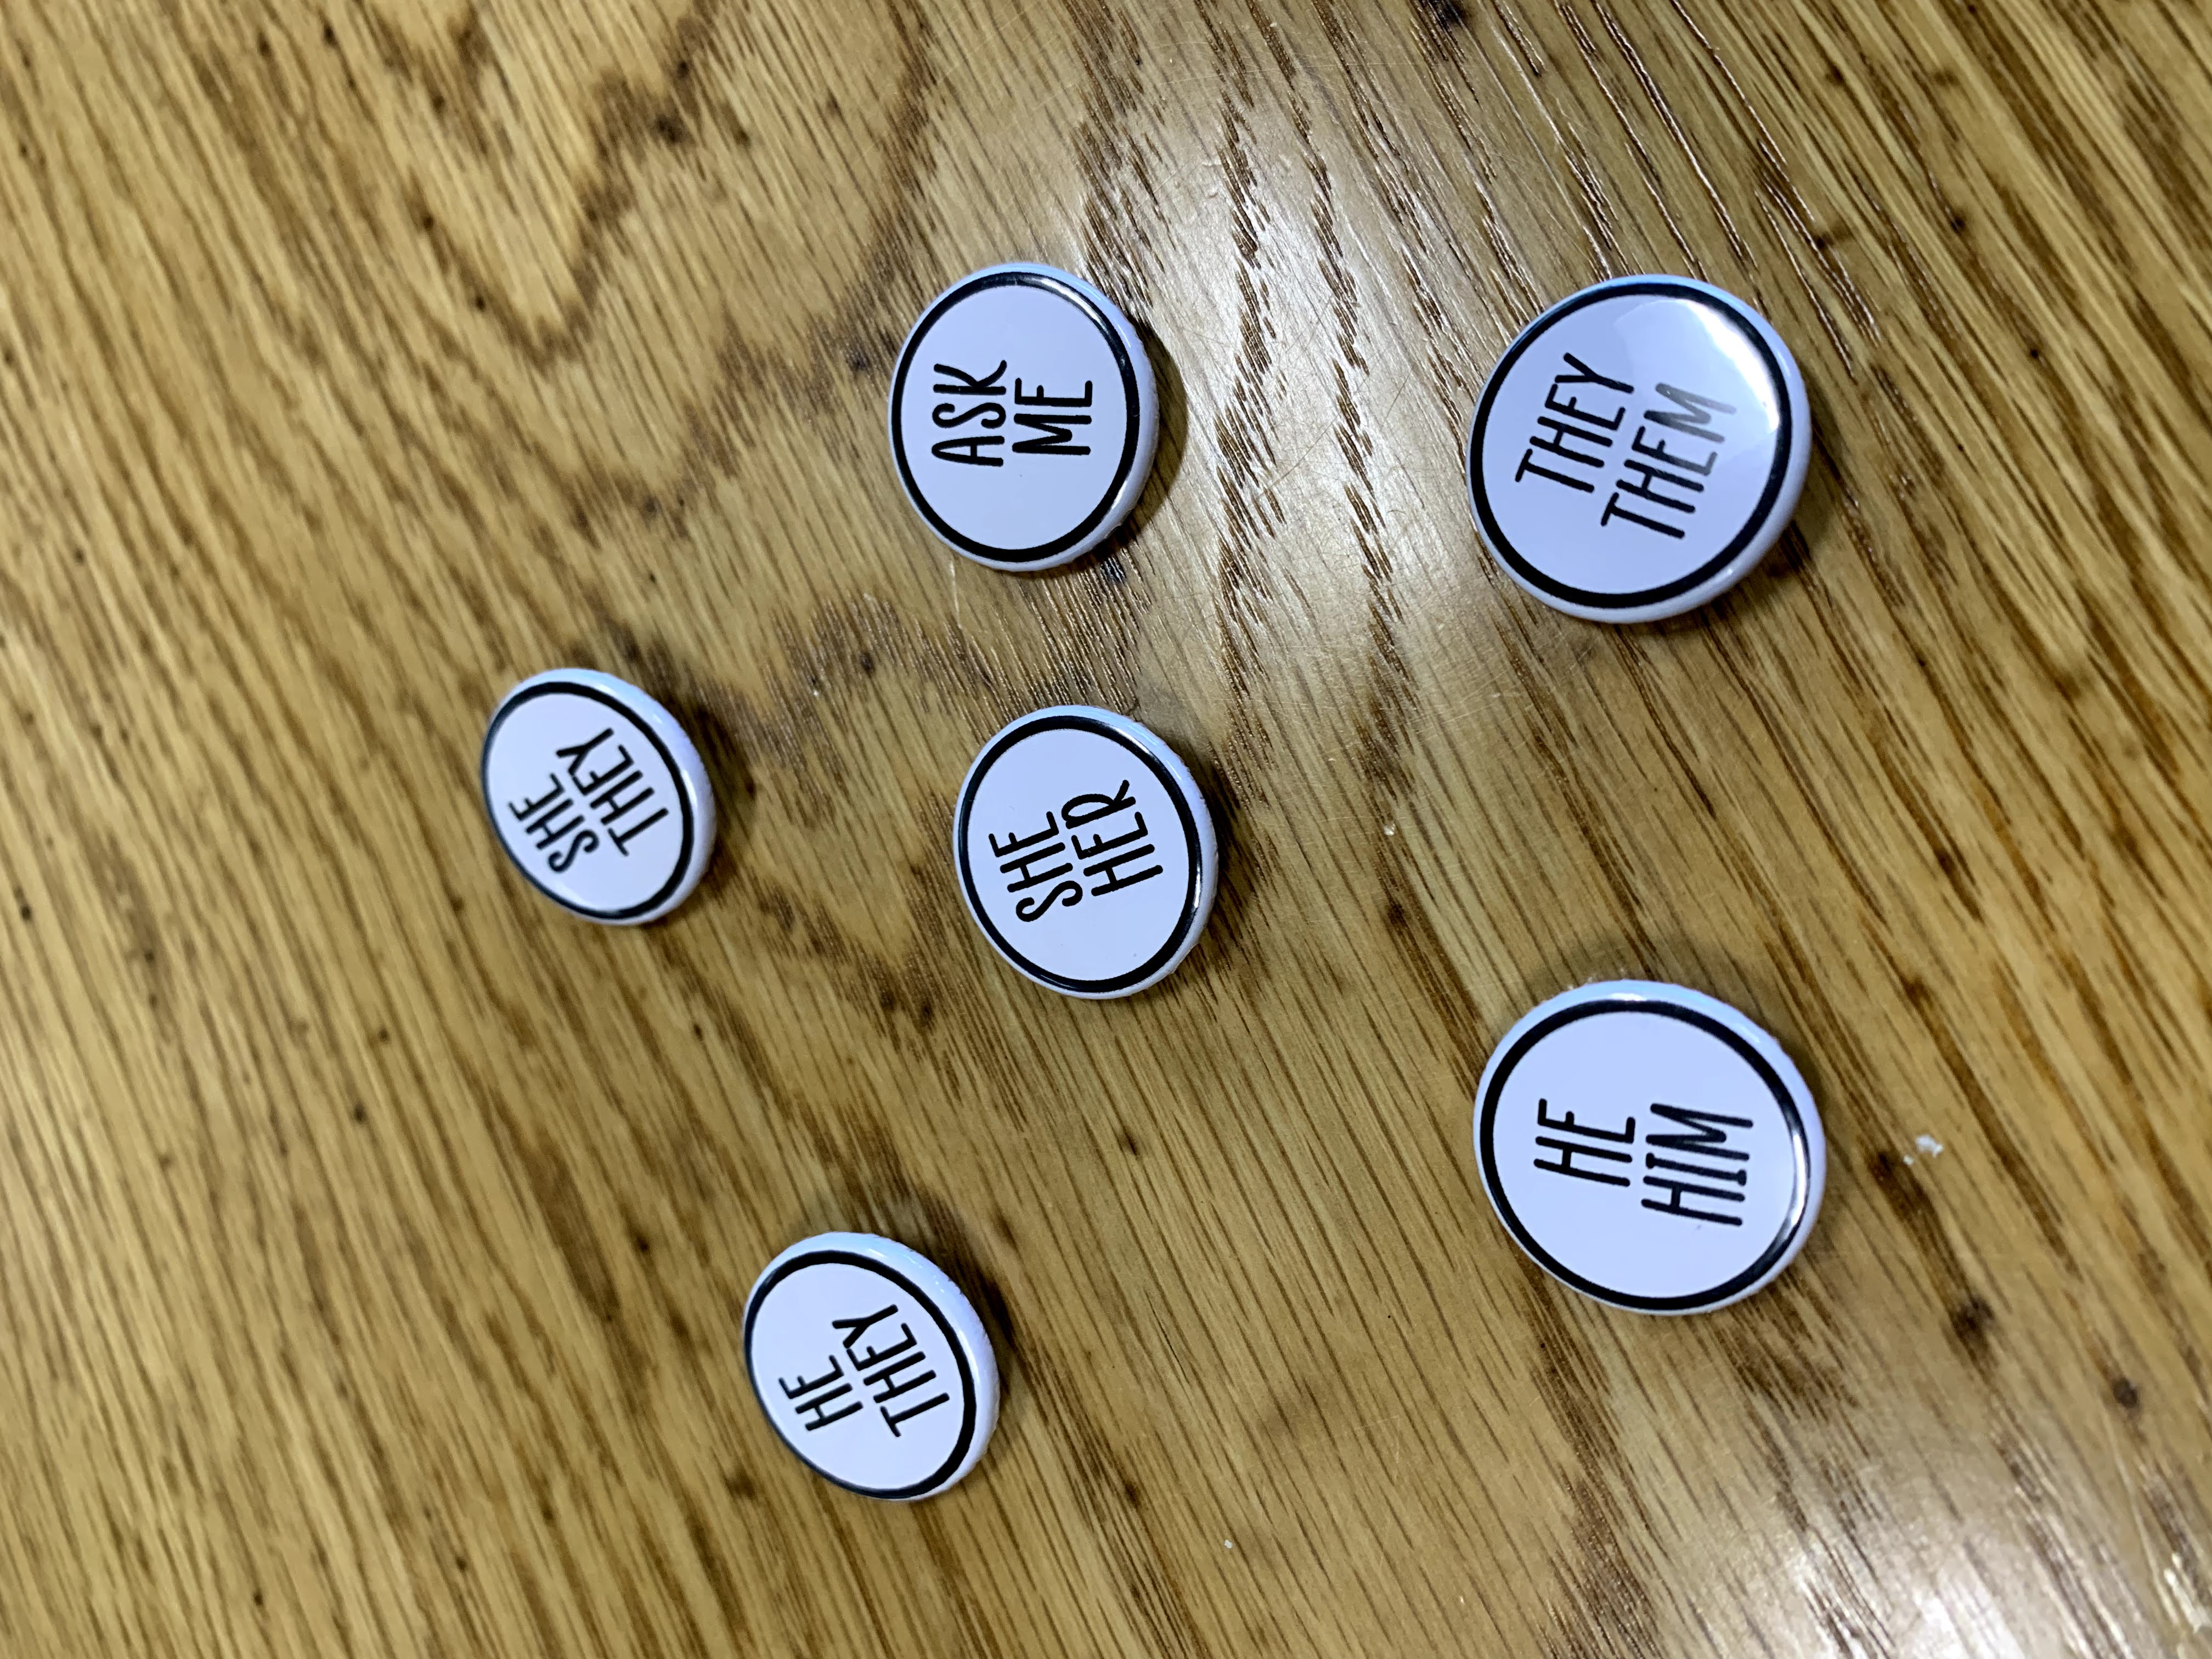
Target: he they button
872,1365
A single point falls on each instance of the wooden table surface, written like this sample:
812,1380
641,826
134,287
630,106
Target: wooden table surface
372,1236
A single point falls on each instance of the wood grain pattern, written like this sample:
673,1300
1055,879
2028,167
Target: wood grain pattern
372,1236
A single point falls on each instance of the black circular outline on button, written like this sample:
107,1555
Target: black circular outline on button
576,689
1793,1120
1019,732
1099,320
1481,493
853,1259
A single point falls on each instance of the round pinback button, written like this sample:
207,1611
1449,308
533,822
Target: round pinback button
597,795
1638,448
1086,853
872,1365
1650,1146
1022,417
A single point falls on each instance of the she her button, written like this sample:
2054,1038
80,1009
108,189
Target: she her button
597,795
1638,448
1022,417
1649,1146
1085,851
872,1365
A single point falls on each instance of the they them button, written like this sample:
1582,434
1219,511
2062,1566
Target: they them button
1638,448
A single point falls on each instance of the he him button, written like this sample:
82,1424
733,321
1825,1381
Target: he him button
871,1365
1086,854
1638,448
1650,1146
597,795
1022,417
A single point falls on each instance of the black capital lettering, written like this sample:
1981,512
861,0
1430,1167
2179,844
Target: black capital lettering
1529,465
1675,1206
531,808
1691,415
1037,398
1065,894
1562,445
1666,457
961,384
1652,477
1103,843
1613,510
854,1329
1079,810
811,1397
1585,375
1707,1135
1565,1121
951,415
623,837
968,452
624,765
1058,434
575,753
1570,1149
583,841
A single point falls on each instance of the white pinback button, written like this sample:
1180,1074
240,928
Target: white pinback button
1086,853
597,795
872,1365
1649,1146
1022,417
1638,448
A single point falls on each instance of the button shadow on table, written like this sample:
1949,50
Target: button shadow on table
1109,556
1786,561
696,703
